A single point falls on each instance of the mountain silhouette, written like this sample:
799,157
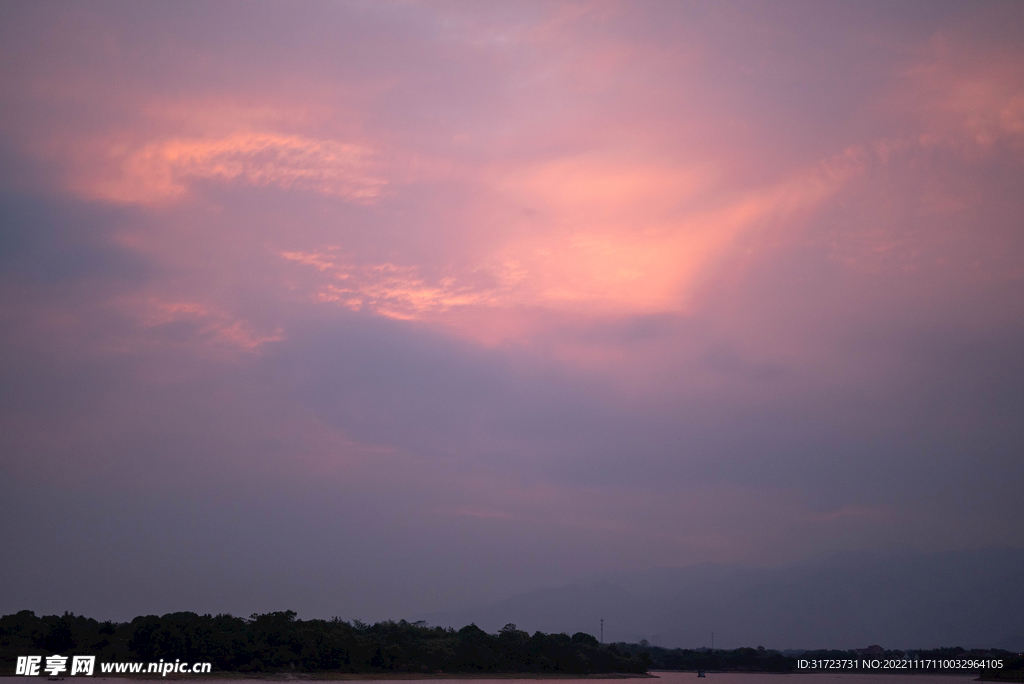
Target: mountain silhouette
972,598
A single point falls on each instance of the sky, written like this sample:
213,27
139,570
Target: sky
365,309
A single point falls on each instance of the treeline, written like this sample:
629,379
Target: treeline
761,659
278,642
740,659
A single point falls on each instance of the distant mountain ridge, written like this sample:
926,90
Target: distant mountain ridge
972,598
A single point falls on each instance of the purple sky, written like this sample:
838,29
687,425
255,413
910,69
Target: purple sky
368,309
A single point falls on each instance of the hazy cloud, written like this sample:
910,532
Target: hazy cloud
371,309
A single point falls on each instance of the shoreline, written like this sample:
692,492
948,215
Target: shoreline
412,676
353,676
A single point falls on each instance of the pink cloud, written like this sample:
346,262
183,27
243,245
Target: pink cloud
594,269
161,171
966,95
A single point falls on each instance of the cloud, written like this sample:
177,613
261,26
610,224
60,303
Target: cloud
606,242
378,308
162,171
189,323
969,96
398,292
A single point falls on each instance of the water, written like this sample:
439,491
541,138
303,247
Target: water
815,678
664,678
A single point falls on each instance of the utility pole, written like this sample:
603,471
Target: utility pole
712,641
602,630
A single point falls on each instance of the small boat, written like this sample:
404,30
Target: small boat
700,673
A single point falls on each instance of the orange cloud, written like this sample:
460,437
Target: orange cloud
160,171
600,239
399,292
633,245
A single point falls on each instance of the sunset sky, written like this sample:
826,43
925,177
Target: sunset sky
374,308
